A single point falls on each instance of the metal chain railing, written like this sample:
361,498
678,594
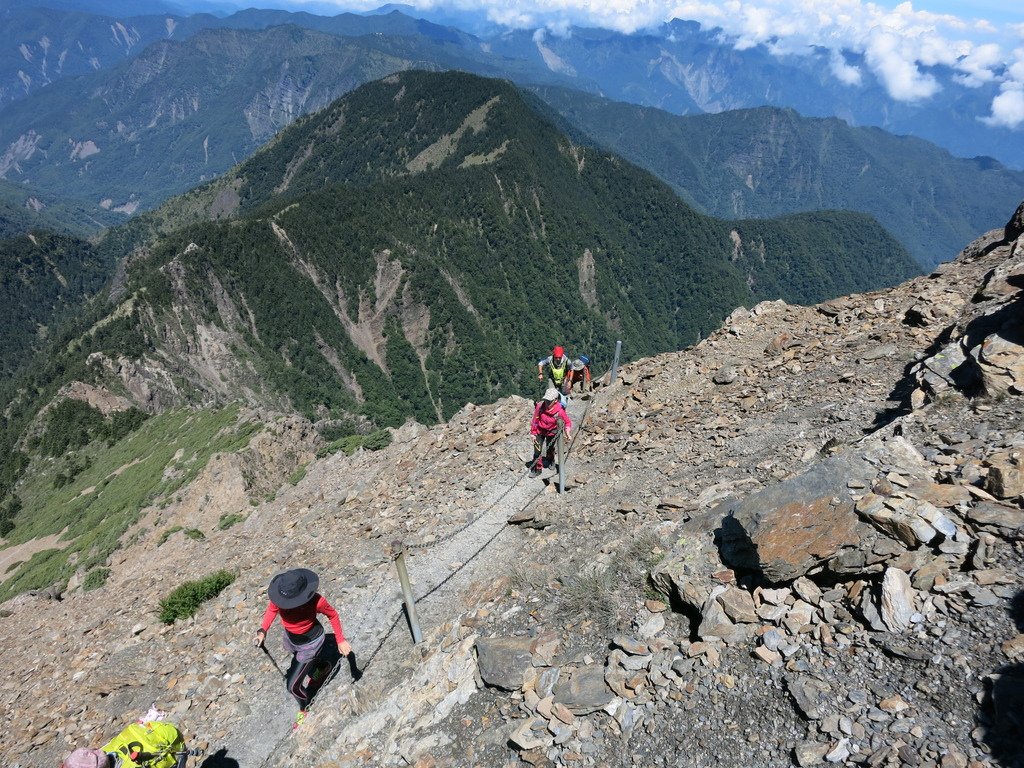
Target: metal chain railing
455,532
448,537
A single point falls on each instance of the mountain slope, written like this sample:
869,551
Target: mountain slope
437,234
414,247
793,453
769,162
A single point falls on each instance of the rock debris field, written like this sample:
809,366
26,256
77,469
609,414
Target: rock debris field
799,542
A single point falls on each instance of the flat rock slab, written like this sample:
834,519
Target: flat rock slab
584,692
1001,516
503,661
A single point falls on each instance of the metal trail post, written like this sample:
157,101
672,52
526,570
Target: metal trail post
615,363
561,461
410,603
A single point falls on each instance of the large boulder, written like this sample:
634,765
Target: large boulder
684,576
810,520
786,530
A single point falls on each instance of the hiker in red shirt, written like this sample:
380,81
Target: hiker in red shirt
293,595
544,427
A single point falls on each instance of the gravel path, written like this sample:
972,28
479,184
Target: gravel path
378,630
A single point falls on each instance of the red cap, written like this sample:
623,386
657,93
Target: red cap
558,352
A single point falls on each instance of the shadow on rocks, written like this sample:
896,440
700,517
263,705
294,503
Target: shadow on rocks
737,550
219,759
1001,715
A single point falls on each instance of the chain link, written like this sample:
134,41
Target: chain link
455,532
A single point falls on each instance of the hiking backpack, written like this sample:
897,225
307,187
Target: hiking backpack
147,745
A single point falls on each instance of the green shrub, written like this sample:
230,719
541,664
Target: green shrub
95,579
298,474
185,600
348,445
374,441
195,534
377,440
8,509
168,533
226,521
336,431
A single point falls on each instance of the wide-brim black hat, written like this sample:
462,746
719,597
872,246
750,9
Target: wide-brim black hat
293,588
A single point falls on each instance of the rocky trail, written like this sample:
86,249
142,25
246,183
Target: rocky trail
799,542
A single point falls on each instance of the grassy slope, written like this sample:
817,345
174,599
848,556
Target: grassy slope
106,499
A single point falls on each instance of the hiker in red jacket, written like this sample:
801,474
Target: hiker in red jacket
548,417
293,595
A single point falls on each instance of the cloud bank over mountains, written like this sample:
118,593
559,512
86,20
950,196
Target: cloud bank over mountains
897,45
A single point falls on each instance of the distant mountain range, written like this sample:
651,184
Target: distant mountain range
686,69
771,162
182,112
53,44
680,67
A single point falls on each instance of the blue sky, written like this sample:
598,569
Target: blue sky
994,10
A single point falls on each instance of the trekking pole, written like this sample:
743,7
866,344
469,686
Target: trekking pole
561,461
398,548
615,363
272,659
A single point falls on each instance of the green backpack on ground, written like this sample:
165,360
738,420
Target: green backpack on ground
147,745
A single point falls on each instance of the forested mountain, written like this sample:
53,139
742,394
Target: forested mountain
414,245
771,162
43,277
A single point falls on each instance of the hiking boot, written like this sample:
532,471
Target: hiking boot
536,469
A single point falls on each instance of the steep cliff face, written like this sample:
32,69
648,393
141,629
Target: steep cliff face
820,535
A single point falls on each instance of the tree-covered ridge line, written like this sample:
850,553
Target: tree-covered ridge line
332,202
44,277
364,293
768,162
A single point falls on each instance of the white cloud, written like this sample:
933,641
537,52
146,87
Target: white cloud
885,53
844,72
1007,109
898,44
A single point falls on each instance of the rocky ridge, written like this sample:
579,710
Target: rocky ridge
790,544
